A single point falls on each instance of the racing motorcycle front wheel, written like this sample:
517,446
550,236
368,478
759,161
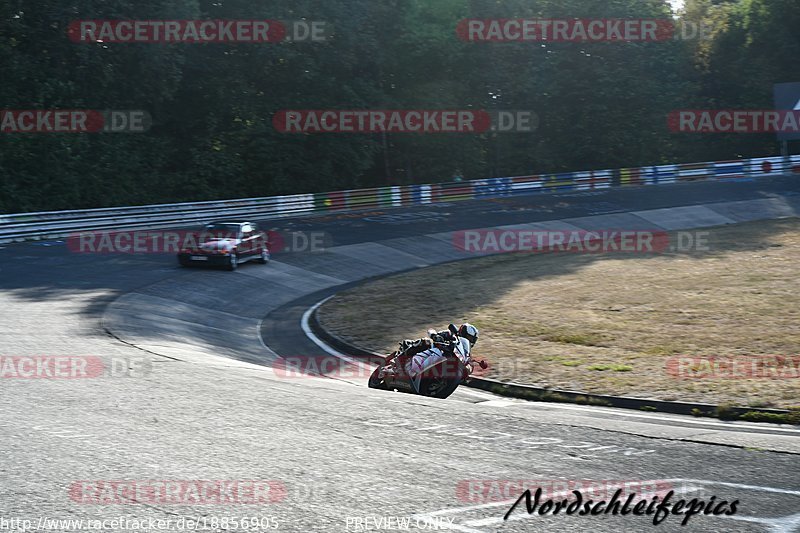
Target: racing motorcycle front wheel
437,387
376,381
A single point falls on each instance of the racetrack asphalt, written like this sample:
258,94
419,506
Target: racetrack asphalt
210,404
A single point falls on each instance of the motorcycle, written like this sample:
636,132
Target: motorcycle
436,372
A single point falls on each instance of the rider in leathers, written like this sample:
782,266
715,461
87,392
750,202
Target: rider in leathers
443,340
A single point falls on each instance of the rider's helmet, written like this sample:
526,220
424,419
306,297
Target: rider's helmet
469,332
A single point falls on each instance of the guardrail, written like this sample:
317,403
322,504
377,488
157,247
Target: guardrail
55,224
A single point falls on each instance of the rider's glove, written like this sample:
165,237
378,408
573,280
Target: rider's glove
438,339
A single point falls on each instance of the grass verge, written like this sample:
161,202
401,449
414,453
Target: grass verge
606,324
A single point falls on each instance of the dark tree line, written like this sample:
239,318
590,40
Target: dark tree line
600,105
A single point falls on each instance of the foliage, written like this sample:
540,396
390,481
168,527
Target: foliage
600,105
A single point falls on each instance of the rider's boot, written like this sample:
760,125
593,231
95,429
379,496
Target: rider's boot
396,367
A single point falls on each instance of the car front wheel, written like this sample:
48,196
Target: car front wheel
233,261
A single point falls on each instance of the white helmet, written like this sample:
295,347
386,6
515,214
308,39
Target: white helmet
469,332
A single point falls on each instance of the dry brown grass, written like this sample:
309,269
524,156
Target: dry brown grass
606,324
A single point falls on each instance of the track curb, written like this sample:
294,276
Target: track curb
532,393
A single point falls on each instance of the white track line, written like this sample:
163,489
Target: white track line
260,339
304,323
683,419
319,342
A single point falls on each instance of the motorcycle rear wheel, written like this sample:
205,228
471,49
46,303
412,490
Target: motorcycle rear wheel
437,387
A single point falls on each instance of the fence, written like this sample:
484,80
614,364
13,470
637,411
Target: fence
55,224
